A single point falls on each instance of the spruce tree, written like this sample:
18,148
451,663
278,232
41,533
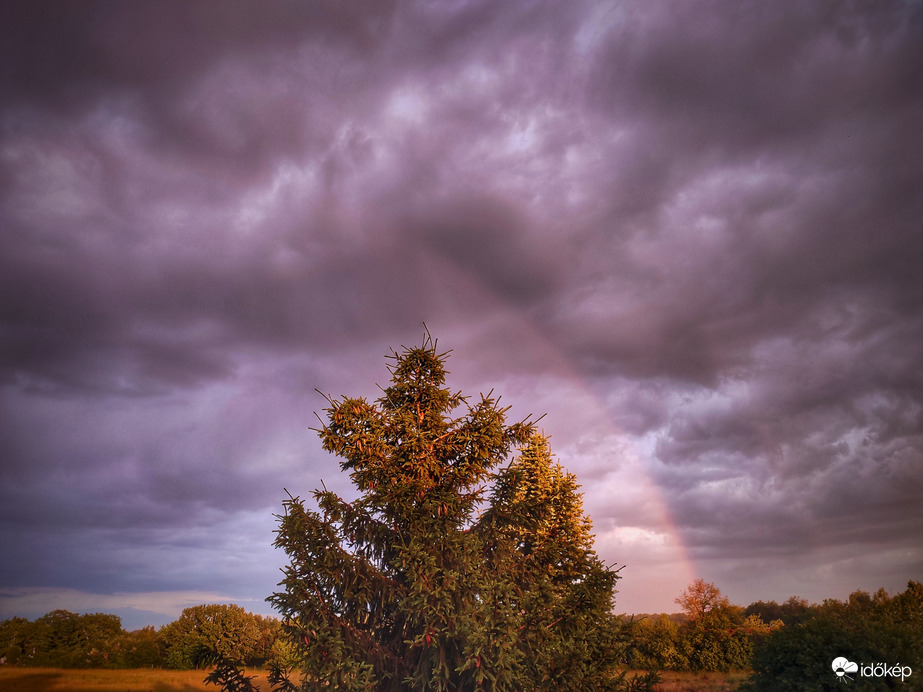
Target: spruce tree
565,593
456,568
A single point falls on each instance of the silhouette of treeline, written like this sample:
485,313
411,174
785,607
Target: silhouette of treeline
788,641
62,639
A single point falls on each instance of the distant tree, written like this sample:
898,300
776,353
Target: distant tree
270,632
764,610
70,640
715,636
100,634
449,572
16,637
701,598
54,641
716,640
793,611
758,630
656,644
139,649
204,634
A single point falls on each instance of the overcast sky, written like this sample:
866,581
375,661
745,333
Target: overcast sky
689,232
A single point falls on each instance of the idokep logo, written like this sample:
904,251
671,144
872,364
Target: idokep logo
843,667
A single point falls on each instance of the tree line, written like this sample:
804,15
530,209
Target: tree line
62,639
788,646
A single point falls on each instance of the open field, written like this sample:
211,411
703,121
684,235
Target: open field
136,680
701,682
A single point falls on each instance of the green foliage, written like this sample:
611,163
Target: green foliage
449,572
713,635
644,682
15,640
564,593
230,677
864,629
62,639
717,641
712,638
702,599
138,649
205,634
793,611
656,644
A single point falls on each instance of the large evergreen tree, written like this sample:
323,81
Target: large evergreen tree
456,568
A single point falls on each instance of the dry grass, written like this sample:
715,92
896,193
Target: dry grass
701,682
14,679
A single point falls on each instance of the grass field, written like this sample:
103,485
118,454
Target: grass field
136,680
145,680
701,682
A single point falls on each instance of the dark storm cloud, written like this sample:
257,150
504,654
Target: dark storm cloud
754,79
825,432
113,292
791,134
709,215
760,244
65,54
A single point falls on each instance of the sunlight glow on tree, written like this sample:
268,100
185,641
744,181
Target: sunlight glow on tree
457,568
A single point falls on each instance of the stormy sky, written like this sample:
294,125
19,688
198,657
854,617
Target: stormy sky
691,233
